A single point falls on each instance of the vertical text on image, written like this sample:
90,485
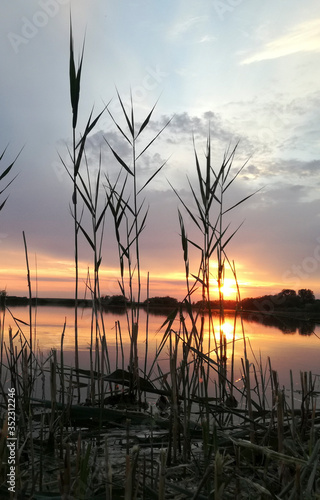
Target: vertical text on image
11,441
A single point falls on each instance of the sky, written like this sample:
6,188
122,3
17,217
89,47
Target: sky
248,71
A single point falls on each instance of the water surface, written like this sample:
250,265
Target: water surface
290,345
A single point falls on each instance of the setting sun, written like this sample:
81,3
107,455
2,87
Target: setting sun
228,288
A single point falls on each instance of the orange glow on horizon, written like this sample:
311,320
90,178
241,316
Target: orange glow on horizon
54,277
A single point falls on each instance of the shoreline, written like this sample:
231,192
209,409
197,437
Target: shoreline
303,315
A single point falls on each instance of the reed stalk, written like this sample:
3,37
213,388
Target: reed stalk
162,474
211,190
77,155
108,470
62,363
74,80
30,303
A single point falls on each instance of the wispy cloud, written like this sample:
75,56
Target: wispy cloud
207,39
304,37
181,28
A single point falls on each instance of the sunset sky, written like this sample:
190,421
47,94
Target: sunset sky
248,69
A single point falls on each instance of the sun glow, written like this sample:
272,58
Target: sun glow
228,289
227,329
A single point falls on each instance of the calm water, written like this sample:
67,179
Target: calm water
289,344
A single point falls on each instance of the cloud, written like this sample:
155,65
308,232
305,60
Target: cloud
304,37
184,125
291,170
181,28
280,232
207,39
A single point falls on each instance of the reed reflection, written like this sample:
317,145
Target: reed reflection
272,336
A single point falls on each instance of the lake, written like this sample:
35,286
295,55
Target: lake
291,345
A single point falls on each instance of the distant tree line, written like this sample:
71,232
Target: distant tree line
304,299
286,299
163,302
153,302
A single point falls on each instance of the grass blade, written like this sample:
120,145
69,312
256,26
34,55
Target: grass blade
119,159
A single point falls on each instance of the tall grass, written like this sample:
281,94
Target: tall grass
209,221
80,188
130,215
4,184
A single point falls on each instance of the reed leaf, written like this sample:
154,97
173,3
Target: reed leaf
230,237
146,121
186,207
184,239
208,169
154,139
74,79
199,280
228,160
3,203
153,175
98,182
101,217
200,179
119,159
169,320
130,124
241,201
89,240
119,128
4,152
10,182
202,210
81,144
236,175
6,171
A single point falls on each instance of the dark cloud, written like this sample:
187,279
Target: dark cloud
184,126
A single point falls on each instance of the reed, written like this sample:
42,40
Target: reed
129,215
209,221
4,174
77,156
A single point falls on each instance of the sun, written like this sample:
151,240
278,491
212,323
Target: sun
228,288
